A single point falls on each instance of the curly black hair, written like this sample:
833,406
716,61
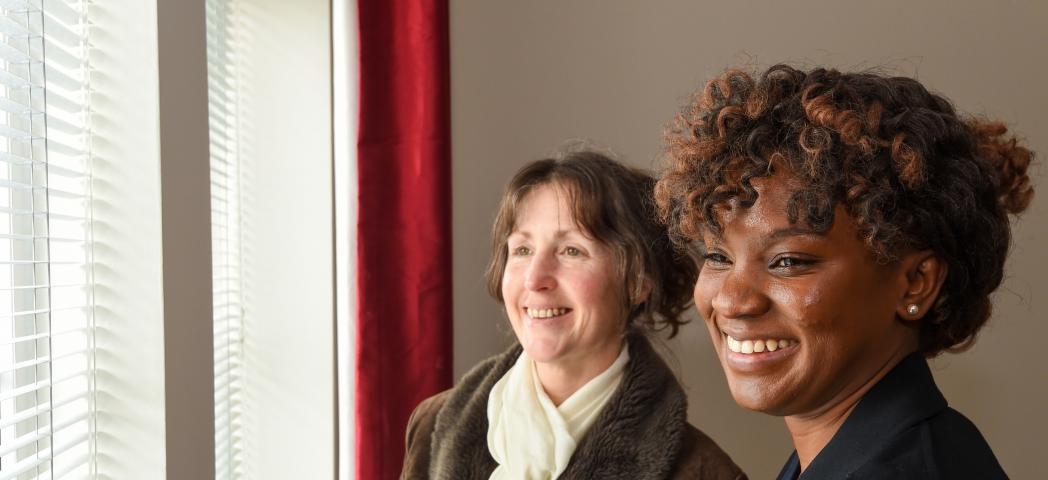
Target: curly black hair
912,172
612,203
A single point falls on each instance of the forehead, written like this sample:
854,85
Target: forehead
768,212
544,204
767,222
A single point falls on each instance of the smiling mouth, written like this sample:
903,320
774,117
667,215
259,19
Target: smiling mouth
748,347
546,312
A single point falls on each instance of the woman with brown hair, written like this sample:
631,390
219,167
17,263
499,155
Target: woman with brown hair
851,225
585,273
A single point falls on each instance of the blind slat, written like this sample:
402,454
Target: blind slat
15,107
13,55
45,358
65,101
57,123
43,335
41,434
62,12
13,80
58,54
14,29
16,5
15,236
13,159
41,409
38,311
16,288
34,462
42,384
58,30
58,77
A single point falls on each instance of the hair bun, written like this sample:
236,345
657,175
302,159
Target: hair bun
1009,159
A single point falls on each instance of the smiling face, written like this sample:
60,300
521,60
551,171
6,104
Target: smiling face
800,320
562,291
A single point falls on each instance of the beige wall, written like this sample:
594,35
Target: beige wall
526,76
185,212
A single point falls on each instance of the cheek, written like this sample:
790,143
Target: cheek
602,296
511,281
804,301
598,291
705,289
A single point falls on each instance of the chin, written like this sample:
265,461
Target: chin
755,398
541,350
747,402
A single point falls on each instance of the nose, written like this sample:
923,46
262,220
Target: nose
740,295
540,274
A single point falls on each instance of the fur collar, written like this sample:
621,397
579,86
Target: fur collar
638,435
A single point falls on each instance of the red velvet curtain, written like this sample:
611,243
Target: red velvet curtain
404,223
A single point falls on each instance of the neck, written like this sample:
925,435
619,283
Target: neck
812,432
562,379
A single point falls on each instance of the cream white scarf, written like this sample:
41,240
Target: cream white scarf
528,436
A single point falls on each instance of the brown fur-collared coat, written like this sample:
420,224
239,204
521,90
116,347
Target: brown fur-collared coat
642,433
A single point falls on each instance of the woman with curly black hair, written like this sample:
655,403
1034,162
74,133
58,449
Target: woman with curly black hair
850,225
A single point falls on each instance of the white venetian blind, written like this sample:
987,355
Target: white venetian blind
225,234
46,347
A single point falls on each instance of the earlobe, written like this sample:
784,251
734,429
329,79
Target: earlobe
925,274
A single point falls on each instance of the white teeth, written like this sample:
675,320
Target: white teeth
756,346
546,312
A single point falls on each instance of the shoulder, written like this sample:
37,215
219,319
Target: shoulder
447,432
471,392
701,457
420,425
423,419
419,431
959,448
945,446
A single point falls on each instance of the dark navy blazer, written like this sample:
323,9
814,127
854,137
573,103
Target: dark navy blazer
902,429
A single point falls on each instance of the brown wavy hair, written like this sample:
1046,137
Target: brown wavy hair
911,171
612,204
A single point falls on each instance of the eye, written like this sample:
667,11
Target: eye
520,251
786,262
572,252
715,260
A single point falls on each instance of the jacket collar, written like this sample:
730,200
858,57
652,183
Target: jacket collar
638,434
906,396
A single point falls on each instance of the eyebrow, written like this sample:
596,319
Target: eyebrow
778,235
558,234
793,232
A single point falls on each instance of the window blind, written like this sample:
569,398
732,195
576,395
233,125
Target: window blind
46,346
225,233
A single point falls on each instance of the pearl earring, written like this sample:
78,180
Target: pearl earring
912,309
